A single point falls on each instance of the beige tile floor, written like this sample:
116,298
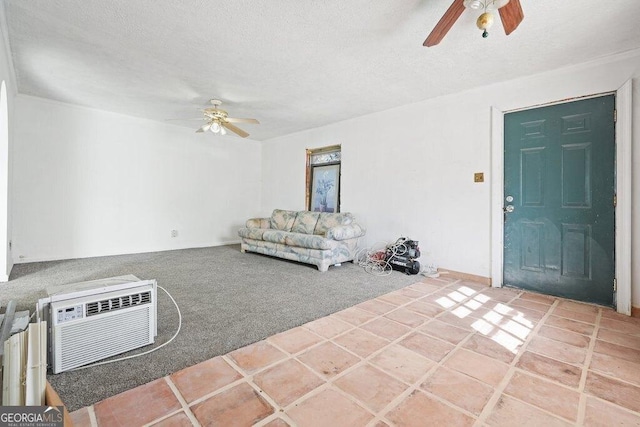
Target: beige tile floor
440,352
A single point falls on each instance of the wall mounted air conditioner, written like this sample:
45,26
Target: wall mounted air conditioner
94,320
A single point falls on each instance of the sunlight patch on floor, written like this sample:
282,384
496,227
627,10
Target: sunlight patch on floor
516,329
523,320
467,291
482,298
461,312
502,324
508,341
482,326
493,317
457,296
446,302
473,304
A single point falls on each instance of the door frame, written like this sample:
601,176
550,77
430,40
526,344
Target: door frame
622,298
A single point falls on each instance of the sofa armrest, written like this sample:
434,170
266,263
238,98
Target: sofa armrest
258,223
345,232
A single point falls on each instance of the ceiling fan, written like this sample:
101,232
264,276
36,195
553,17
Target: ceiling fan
510,11
217,120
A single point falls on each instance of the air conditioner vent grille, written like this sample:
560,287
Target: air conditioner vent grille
112,304
80,343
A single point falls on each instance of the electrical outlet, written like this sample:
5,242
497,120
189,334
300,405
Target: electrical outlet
174,233
478,177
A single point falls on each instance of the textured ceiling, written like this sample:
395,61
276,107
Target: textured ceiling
292,64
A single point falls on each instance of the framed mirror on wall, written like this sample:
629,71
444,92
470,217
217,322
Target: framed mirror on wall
323,179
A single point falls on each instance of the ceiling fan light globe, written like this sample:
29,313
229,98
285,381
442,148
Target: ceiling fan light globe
223,131
215,127
485,21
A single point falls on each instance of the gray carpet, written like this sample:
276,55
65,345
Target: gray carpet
228,300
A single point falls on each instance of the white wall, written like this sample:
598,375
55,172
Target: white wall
409,171
90,183
7,75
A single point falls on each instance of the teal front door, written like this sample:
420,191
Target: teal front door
559,189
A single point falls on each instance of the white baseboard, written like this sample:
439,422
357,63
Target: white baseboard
4,278
141,251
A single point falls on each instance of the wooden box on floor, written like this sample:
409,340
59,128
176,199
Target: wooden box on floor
51,398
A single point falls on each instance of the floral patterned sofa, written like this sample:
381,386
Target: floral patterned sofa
317,238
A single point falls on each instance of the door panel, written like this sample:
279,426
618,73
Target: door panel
576,253
576,175
559,169
532,162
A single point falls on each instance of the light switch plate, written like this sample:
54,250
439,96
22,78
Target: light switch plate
478,177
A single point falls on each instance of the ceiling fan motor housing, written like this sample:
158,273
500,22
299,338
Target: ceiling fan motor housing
215,113
485,5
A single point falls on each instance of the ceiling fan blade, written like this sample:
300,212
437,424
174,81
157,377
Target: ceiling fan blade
445,23
188,118
511,15
205,128
235,129
234,120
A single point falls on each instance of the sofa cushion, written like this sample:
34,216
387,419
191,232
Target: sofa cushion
305,222
329,220
309,241
258,223
274,236
252,233
302,240
282,220
346,232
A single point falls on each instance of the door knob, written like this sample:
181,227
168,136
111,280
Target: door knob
509,208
